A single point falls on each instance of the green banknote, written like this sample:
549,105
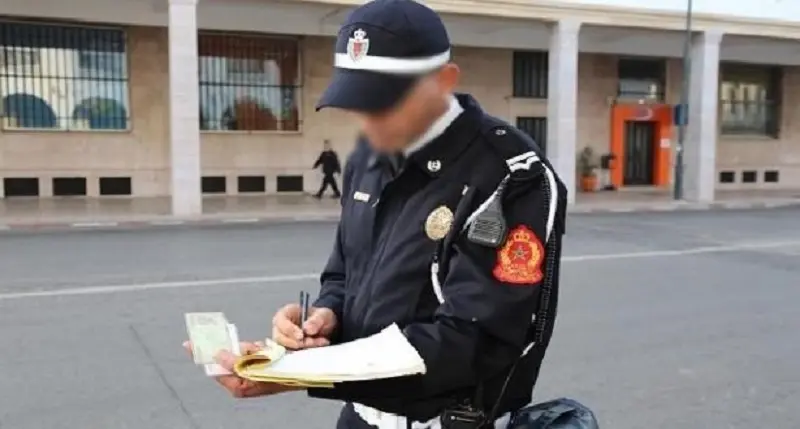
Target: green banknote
209,335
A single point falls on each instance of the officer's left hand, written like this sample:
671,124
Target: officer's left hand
320,325
315,332
239,387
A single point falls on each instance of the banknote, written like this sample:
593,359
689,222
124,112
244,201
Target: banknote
209,334
213,369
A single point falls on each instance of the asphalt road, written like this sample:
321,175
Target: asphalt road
673,320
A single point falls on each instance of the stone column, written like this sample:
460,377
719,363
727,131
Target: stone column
700,147
562,101
184,108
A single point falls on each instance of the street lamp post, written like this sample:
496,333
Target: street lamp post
683,109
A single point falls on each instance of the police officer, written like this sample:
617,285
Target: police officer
451,228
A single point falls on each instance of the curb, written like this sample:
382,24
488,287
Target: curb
330,217
164,223
683,206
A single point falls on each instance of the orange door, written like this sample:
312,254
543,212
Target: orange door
661,116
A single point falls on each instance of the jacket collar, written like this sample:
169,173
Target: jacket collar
438,154
438,127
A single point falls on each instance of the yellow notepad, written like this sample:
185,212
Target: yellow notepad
386,354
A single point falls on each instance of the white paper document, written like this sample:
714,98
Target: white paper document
386,354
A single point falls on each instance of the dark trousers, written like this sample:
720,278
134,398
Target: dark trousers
329,180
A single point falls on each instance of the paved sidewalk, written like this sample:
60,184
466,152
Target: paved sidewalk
57,213
109,212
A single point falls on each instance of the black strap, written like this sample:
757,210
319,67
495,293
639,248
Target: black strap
543,311
538,335
551,253
542,314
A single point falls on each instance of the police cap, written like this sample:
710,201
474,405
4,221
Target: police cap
382,49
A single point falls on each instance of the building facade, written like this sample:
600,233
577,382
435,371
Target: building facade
176,97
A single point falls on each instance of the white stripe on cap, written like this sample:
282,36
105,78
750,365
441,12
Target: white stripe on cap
389,65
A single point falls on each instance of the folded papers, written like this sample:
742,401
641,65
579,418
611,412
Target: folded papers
387,354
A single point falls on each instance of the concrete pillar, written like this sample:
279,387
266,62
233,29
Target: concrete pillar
562,102
184,108
700,148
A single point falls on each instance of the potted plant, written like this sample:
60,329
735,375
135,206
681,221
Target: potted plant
587,168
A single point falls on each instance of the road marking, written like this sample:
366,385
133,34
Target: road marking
97,290
682,252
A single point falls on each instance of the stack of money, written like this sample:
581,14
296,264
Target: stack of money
211,333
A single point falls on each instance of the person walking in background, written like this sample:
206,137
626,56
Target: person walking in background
329,161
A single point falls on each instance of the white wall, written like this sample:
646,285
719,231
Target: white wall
780,10
288,18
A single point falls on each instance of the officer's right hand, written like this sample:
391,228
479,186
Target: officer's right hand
287,332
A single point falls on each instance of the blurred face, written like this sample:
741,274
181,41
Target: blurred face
392,130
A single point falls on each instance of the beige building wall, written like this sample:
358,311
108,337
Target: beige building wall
759,153
756,153
597,87
143,152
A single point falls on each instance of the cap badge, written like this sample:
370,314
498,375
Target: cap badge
434,166
358,45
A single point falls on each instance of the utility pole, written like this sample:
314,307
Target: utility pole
683,109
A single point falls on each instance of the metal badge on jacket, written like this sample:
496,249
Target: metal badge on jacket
439,223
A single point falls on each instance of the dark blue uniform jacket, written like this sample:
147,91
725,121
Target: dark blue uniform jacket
379,272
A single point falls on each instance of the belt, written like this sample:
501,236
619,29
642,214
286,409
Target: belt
383,420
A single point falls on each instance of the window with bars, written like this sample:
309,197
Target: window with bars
641,79
63,77
15,58
536,128
249,83
750,99
530,74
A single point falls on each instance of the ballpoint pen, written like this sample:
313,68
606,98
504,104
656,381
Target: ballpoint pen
304,298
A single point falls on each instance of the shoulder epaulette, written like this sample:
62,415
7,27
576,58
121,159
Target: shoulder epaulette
526,161
521,153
